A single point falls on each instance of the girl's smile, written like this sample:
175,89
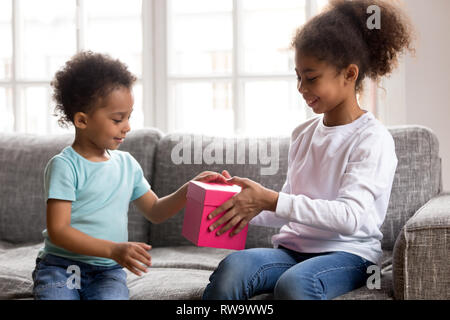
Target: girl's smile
311,101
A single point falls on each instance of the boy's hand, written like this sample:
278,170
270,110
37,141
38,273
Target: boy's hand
214,177
132,255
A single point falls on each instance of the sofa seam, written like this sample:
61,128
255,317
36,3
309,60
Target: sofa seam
405,268
427,228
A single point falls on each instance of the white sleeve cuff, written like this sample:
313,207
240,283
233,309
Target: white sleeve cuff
284,205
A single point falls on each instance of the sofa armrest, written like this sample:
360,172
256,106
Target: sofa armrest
421,253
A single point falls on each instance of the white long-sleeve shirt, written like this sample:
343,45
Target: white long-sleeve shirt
337,188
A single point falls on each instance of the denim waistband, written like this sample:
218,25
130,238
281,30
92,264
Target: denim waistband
54,260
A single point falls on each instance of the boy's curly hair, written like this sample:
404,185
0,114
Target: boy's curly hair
340,36
85,79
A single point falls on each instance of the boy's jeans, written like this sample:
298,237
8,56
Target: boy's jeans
54,279
286,273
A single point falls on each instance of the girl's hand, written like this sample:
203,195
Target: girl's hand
132,255
244,206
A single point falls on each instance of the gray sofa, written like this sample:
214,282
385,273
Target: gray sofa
416,231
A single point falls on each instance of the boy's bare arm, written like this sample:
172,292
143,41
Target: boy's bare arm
127,254
159,210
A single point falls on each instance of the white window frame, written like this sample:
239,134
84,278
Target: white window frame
14,83
161,108
155,78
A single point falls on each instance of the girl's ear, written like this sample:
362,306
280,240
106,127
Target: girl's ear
80,120
352,73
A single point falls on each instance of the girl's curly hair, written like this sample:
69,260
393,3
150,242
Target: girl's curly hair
85,79
340,36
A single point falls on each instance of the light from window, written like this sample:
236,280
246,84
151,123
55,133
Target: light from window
273,108
268,27
34,101
47,37
200,37
6,111
115,27
207,66
5,35
202,107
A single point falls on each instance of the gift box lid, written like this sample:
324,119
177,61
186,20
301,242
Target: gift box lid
211,193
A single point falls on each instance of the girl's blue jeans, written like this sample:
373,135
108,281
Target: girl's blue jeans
287,274
54,279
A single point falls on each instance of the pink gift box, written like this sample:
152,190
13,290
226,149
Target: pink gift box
202,199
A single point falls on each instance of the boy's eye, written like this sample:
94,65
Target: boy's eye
117,121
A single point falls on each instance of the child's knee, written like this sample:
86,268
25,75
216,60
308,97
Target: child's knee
237,262
298,287
229,277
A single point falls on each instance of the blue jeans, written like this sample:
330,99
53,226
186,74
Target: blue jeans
288,274
57,278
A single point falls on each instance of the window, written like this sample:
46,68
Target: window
208,66
230,66
38,37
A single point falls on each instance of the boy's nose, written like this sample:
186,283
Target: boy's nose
127,128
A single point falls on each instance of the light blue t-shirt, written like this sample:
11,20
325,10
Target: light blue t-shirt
100,193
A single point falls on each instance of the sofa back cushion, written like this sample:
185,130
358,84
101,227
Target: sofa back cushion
23,158
417,179
181,157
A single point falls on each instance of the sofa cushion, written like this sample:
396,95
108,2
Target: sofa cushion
23,158
421,253
262,160
176,272
417,178
188,257
169,284
16,265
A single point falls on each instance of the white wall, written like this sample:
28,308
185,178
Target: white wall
427,84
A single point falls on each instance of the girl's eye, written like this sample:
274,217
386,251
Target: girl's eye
306,79
117,121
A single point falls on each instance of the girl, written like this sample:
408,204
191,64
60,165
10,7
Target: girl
89,185
341,167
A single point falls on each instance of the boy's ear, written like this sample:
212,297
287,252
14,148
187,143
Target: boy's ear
352,73
80,120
